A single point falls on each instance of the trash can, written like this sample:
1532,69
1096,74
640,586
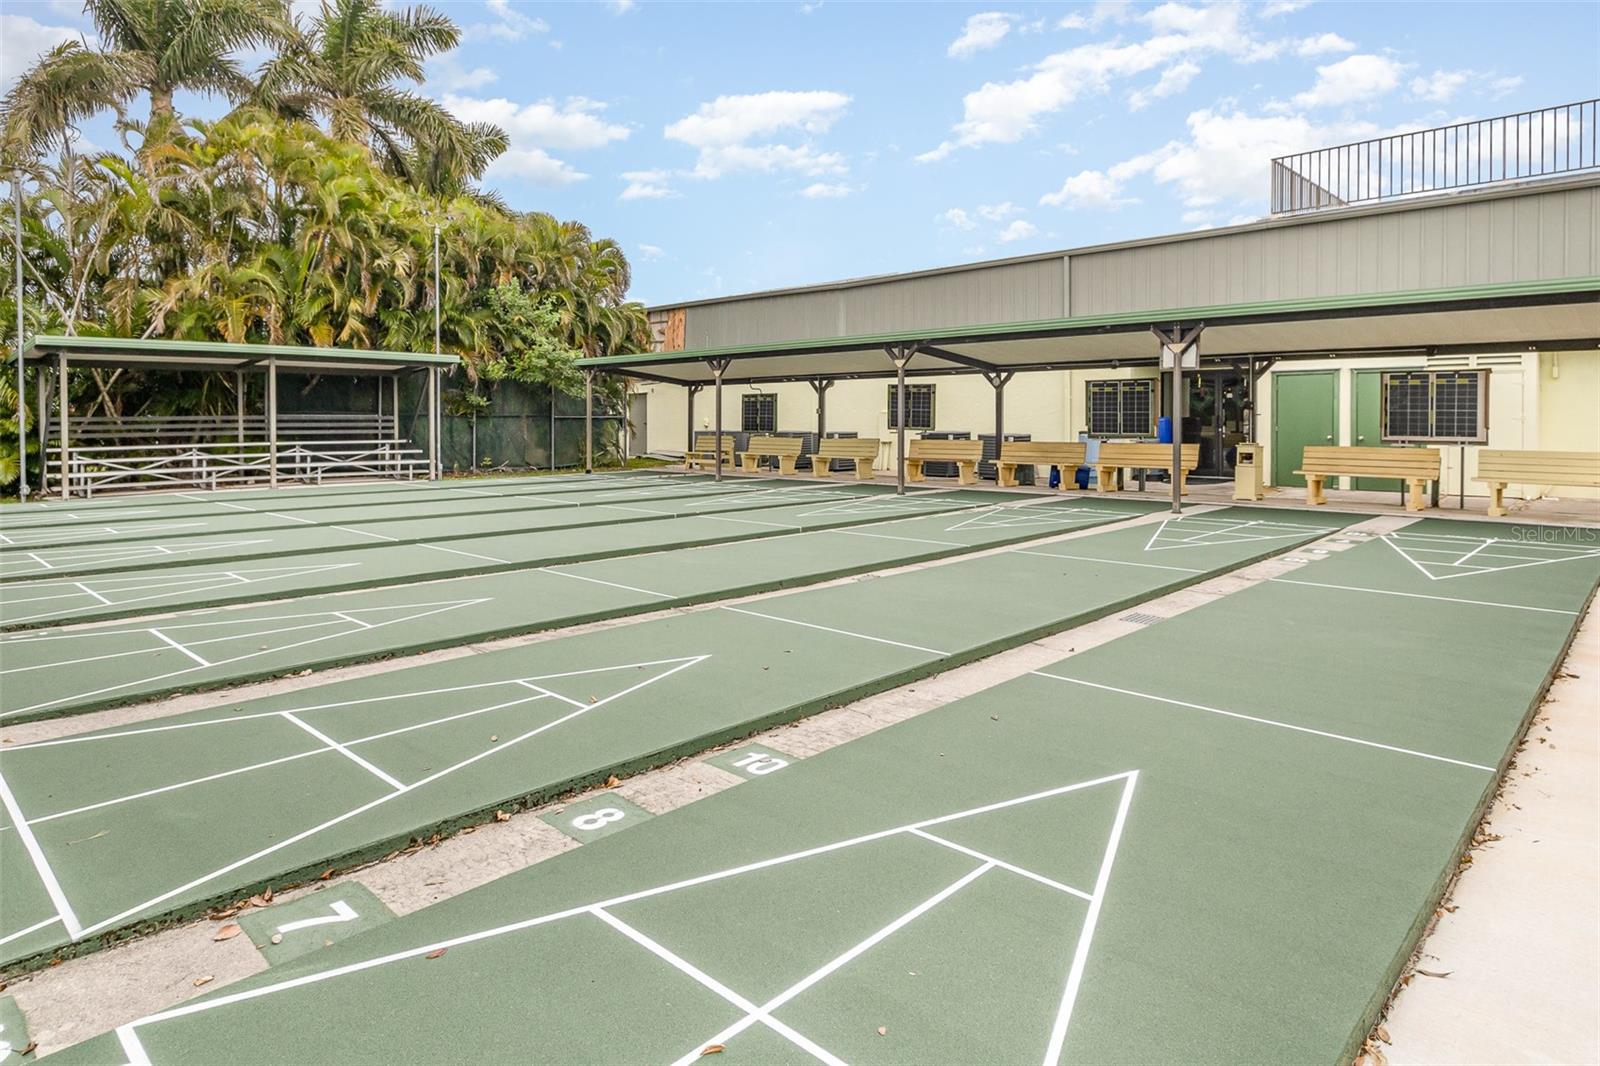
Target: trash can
1247,471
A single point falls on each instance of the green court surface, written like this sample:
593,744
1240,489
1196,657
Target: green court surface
109,829
467,520
45,673
709,521
1214,840
28,550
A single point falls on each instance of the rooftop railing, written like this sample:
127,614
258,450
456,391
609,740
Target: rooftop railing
1529,144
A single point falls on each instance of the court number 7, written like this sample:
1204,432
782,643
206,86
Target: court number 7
760,764
598,819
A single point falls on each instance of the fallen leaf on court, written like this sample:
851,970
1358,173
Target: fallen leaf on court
495,739
24,1052
1435,973
201,982
324,875
611,782
712,1049
1382,1034
883,1030
994,718
277,938
501,816
227,932
435,954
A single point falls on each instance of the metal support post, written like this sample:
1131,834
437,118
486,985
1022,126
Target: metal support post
1176,345
900,355
588,421
718,368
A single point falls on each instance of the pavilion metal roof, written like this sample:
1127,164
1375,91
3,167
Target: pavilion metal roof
159,353
1556,314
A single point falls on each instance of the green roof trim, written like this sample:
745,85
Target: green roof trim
39,346
1129,319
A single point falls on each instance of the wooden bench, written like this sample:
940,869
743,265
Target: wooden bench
1415,466
787,450
1068,455
1501,467
705,452
862,451
964,453
1114,457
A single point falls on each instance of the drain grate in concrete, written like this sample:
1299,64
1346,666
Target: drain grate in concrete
1143,618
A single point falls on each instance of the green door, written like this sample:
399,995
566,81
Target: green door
1304,408
1366,426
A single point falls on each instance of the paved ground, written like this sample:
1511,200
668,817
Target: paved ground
1213,840
56,672
108,829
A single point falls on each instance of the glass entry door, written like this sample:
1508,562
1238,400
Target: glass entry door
1218,418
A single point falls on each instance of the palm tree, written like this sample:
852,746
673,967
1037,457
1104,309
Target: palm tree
350,64
151,46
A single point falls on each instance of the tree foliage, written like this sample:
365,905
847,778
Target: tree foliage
265,226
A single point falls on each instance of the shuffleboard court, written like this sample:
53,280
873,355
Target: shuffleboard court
383,512
100,829
49,673
144,506
120,594
1216,839
128,555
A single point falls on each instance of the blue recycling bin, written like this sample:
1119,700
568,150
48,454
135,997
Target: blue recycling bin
1164,430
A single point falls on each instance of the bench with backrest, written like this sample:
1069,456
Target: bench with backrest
862,451
786,449
1415,466
1114,457
966,454
1066,454
705,452
1501,467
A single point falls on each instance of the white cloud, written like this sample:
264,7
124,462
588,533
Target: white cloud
998,212
1005,112
1505,86
723,129
575,123
1283,7
1020,230
1441,85
981,32
536,165
446,72
22,40
509,24
1352,80
621,7
958,218
647,252
646,185
1323,44
823,190
806,9
1173,80
1088,190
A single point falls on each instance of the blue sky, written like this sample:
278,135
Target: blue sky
739,147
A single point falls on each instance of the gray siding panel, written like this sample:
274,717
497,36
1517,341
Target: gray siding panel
1535,237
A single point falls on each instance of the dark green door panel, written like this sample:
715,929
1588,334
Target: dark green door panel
1304,410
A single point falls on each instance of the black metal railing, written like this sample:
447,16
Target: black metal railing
1529,144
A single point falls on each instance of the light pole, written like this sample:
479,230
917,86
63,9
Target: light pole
22,404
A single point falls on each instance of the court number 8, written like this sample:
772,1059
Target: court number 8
599,819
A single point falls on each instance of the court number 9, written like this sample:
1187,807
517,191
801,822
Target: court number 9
759,764
598,819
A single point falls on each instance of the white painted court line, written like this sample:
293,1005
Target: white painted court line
366,533
743,521
992,861
376,771
613,584
91,592
174,644
131,1047
839,632
363,808
1113,562
1080,954
700,976
1267,721
34,928
1423,596
887,536
167,587
764,1012
469,555
615,901
41,865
